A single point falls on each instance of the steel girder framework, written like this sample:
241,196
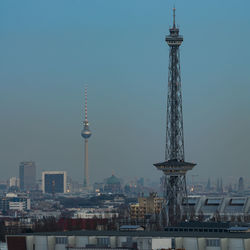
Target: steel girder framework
174,167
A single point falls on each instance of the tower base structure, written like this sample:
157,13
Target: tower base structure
175,191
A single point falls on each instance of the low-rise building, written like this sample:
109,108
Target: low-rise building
101,213
185,237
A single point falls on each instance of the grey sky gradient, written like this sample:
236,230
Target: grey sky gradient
49,50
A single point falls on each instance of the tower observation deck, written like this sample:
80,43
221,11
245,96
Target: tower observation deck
174,167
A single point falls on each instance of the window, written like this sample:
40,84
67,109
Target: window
213,242
103,241
213,201
239,202
62,240
173,243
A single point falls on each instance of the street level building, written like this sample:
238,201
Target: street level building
54,182
27,175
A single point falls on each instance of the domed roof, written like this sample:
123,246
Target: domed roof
113,180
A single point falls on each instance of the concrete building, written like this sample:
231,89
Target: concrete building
54,182
189,237
146,206
27,175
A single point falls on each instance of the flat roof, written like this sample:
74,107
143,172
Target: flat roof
153,234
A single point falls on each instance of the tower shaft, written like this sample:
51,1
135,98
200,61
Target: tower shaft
86,165
174,130
174,167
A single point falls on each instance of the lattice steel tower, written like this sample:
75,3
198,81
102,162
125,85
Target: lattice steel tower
174,167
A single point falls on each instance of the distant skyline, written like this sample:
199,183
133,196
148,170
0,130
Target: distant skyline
51,49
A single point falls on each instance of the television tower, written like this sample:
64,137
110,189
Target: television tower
174,167
86,133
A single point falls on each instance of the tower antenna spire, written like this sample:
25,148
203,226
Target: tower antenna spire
86,102
174,17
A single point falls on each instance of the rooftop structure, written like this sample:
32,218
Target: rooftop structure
220,208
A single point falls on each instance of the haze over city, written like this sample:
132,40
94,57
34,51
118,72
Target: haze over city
51,49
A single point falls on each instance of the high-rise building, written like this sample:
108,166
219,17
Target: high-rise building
27,175
54,182
86,133
241,185
174,167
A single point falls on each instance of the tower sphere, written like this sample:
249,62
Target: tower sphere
86,133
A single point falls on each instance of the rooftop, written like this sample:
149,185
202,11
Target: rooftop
205,234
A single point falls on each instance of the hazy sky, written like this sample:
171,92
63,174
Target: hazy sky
50,49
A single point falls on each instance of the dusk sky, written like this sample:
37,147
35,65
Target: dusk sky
49,50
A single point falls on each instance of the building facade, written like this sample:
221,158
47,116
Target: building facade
14,182
27,175
14,202
137,240
54,182
145,206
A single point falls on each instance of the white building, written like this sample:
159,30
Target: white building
100,213
141,240
14,182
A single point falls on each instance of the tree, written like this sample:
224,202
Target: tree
201,216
